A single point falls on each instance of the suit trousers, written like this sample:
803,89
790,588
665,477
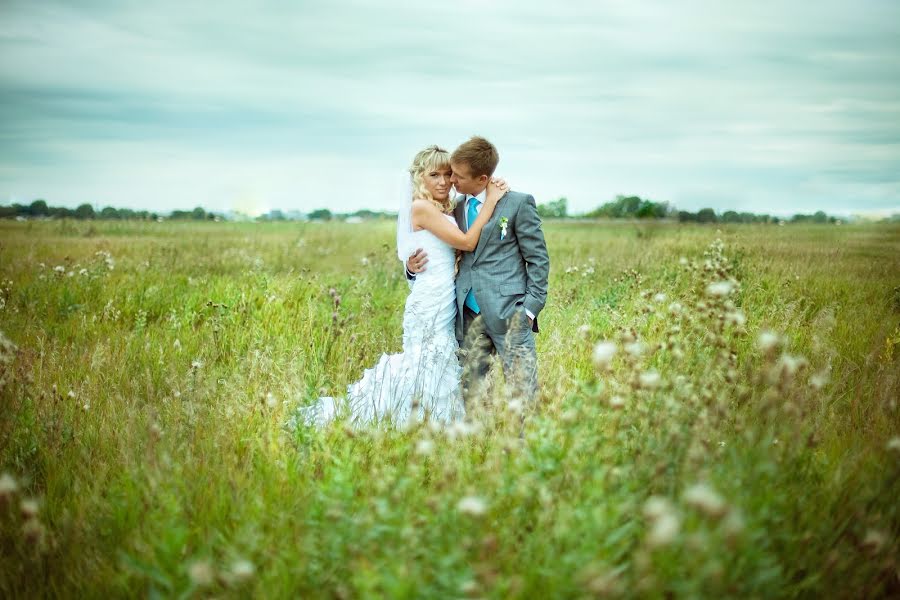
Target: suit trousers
516,350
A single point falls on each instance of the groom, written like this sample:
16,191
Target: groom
501,286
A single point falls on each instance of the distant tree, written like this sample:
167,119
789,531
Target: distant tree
707,215
820,217
108,212
557,209
84,211
320,214
39,208
686,217
730,216
198,214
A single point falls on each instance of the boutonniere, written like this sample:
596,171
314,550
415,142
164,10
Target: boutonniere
504,222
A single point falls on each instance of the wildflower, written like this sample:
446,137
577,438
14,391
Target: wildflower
767,341
33,532
59,269
196,364
29,508
675,308
705,499
682,261
635,349
733,525
8,487
894,444
819,380
242,570
719,289
659,298
424,447
616,402
656,506
472,506
71,394
603,354
665,524
177,344
649,379
585,330
201,573
874,541
736,318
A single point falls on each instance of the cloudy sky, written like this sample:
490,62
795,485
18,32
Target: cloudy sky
766,106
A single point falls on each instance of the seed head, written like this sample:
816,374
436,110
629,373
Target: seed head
604,352
472,506
202,573
705,499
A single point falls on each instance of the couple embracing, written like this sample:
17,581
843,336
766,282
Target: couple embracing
480,293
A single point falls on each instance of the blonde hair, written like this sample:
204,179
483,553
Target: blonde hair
429,159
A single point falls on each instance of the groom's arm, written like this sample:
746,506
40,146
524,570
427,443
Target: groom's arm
533,249
415,264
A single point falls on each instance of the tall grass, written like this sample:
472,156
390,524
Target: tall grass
718,417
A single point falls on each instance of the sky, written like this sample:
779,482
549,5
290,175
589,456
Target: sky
764,106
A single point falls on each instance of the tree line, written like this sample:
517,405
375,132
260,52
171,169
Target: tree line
635,207
40,209
623,207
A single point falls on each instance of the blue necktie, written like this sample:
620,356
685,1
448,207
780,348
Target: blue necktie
472,215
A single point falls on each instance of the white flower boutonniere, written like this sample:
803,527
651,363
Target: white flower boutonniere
504,222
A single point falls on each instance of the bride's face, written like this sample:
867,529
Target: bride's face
437,182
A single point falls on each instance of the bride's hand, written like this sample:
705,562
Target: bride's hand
496,189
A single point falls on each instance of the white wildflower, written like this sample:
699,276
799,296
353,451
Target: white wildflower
767,341
29,508
617,402
202,573
719,289
604,353
8,487
242,570
659,298
649,379
894,444
424,447
196,364
177,344
664,531
635,348
736,318
271,402
705,499
472,506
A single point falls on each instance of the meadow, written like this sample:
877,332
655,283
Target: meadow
718,417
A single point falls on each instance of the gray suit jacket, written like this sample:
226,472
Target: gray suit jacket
504,272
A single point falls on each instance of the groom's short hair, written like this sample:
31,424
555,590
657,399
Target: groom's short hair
479,154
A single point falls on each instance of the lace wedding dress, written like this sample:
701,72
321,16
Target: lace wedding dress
425,377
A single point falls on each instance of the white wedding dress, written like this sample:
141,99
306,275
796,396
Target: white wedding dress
423,379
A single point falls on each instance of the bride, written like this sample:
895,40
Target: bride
423,379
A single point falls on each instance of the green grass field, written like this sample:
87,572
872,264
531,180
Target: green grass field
739,438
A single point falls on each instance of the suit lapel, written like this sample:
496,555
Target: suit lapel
460,213
488,230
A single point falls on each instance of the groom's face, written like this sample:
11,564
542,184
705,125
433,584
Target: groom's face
464,182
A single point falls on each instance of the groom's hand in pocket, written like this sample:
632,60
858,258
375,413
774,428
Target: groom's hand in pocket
416,263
